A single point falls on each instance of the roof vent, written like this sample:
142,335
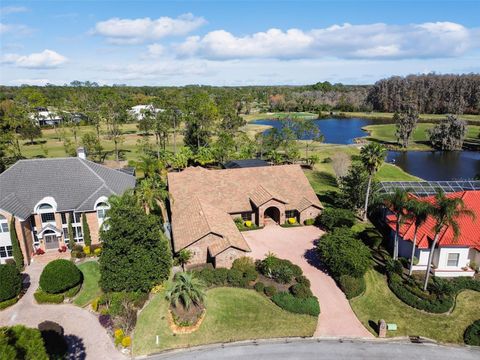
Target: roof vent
81,153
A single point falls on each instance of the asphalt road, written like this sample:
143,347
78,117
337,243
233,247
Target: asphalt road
323,349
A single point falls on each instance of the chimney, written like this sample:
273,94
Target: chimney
81,153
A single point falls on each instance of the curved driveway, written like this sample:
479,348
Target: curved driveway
296,244
86,337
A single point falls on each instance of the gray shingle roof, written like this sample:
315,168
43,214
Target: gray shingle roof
74,183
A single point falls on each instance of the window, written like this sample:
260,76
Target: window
291,214
77,233
45,207
3,225
246,216
6,251
48,217
452,259
78,218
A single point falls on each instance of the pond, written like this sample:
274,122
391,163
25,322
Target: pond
428,165
438,165
335,131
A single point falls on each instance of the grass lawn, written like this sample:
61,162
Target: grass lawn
90,289
386,133
233,314
379,302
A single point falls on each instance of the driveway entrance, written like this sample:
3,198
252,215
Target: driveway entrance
297,245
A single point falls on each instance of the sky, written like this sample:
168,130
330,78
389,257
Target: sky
231,43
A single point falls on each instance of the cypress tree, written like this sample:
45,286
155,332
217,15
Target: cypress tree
86,231
71,237
16,250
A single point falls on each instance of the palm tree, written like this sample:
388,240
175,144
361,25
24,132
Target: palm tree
150,193
396,202
184,257
185,289
446,212
372,156
419,211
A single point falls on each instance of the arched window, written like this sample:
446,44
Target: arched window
3,224
46,212
102,210
42,207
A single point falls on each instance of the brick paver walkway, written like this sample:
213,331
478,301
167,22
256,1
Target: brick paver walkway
337,318
86,337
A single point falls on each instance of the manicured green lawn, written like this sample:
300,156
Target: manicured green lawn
90,289
379,302
233,314
419,141
389,172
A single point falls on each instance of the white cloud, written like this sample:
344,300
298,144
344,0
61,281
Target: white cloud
14,29
135,31
155,50
12,9
46,59
427,40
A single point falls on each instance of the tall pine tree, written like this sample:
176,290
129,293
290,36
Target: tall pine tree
16,250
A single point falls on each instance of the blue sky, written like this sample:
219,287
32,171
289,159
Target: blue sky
234,42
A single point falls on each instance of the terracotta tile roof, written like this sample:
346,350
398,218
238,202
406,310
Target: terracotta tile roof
203,200
469,228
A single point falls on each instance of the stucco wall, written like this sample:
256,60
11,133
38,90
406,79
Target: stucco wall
443,257
309,213
226,258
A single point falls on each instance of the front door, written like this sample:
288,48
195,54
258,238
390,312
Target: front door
51,242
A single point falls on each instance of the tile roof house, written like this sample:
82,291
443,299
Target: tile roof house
43,194
206,202
453,256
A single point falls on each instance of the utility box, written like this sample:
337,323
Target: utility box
391,327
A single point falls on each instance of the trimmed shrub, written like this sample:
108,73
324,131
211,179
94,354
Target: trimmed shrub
10,282
332,218
309,222
302,279
472,334
43,297
59,276
7,303
220,276
344,254
106,321
236,279
281,270
97,251
70,293
300,291
86,250
259,287
270,290
95,304
126,341
351,286
296,305
17,251
246,265
292,220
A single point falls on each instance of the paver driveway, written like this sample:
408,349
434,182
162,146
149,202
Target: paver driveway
86,337
297,245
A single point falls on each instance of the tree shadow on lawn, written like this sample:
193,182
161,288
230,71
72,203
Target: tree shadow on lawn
324,178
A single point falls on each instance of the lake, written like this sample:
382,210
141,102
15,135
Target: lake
335,131
428,165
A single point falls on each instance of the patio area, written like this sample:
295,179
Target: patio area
297,244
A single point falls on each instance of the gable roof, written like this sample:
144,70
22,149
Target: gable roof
204,199
74,183
469,228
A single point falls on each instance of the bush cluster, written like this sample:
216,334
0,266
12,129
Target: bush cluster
472,334
59,276
301,291
115,301
280,270
287,301
259,287
270,290
242,274
10,282
332,218
351,286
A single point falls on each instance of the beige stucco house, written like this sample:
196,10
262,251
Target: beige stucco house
205,204
43,194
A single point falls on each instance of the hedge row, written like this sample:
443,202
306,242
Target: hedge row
351,286
441,303
288,302
10,282
7,303
472,334
44,297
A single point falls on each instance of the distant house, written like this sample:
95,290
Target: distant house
43,194
237,164
452,257
45,117
138,111
206,203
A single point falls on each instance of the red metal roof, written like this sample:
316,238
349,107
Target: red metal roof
469,228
